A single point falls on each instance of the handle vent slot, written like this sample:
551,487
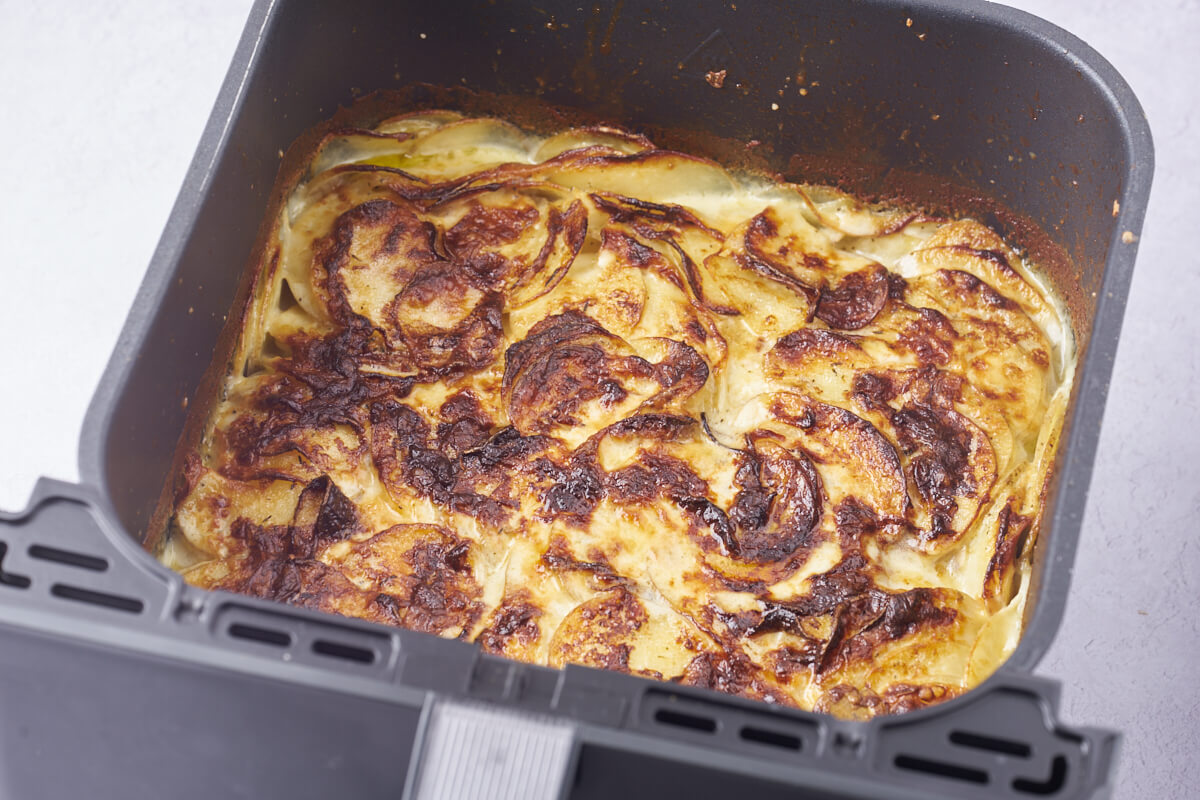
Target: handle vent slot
11,578
729,726
299,639
254,633
680,719
785,741
346,652
941,769
68,557
992,744
130,605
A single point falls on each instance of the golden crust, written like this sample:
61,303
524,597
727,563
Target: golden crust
585,401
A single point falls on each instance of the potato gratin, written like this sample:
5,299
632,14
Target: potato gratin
582,400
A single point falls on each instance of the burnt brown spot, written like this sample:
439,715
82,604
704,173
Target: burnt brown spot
389,609
1011,532
405,456
664,223
811,343
457,437
598,633
937,440
261,542
564,362
938,444
994,256
433,608
856,300
631,252
577,487
705,512
777,505
726,672
737,624
775,511
401,237
901,697
974,291
316,391
514,623
761,230
854,702
787,662
567,232
437,592
506,450
305,583
868,622
575,491
863,617
930,337
901,223
188,479
855,521
897,287
682,373
828,591
730,671
474,239
466,426
692,273
558,557
815,262
873,391
662,427
401,451
654,477
465,338
651,220
323,515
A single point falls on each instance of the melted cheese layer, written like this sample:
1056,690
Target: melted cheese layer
582,400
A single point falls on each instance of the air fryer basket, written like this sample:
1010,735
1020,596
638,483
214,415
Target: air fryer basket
179,692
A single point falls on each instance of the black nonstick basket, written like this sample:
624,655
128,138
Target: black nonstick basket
118,680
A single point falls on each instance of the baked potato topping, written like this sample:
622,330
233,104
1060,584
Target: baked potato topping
582,400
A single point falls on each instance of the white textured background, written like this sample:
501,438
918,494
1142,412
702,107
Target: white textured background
103,103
